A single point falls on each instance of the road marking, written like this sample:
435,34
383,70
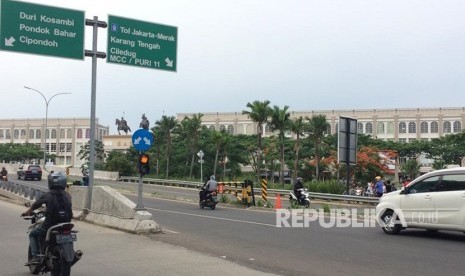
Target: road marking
204,216
170,231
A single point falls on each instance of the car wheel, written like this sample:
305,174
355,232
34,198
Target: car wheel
390,226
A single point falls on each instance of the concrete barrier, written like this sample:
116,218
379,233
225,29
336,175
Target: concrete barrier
109,208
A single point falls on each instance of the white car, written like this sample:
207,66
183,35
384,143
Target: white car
434,201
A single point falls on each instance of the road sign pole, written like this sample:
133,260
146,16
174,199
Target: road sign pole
139,206
94,54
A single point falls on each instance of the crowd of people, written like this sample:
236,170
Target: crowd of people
379,187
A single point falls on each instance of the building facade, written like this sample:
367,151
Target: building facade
400,125
63,137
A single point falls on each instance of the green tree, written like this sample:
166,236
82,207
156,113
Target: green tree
258,113
165,126
100,155
411,168
121,163
280,122
318,127
298,127
190,130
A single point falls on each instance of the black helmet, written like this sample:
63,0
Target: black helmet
57,180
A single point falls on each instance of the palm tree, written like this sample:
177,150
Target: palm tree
280,122
166,127
317,129
217,137
190,128
298,127
259,113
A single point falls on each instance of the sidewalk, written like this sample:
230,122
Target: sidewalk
112,252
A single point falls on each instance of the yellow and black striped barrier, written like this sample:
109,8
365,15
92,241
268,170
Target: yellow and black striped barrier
264,190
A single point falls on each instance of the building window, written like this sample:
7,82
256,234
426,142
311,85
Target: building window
267,129
412,127
87,133
390,128
54,147
47,133
380,128
62,147
23,133
38,134
424,127
62,134
69,146
434,127
360,128
230,129
31,134
402,127
54,133
457,127
222,127
212,128
1,134
446,128
68,133
7,134
16,134
79,134
403,140
369,128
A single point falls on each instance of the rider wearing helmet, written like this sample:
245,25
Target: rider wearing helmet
209,187
298,186
56,186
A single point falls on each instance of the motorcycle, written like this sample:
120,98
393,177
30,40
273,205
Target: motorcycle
304,199
210,200
56,252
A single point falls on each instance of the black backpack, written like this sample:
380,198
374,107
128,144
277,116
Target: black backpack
59,209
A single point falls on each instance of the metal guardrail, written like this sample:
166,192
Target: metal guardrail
194,185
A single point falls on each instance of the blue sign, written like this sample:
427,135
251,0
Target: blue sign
142,139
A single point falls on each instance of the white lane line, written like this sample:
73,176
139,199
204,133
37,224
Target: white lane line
170,231
203,216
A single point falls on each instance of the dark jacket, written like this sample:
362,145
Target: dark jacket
298,185
45,199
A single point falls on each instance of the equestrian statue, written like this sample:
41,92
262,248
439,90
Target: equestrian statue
144,123
122,125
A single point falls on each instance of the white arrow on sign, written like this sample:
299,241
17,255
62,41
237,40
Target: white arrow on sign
169,62
136,141
146,140
9,41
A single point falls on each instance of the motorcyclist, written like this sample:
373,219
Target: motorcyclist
4,173
56,185
209,187
298,186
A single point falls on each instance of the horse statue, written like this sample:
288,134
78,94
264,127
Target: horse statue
144,123
122,125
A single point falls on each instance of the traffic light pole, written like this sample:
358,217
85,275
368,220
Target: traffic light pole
139,206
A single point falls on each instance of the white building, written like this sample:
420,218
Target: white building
401,125
64,136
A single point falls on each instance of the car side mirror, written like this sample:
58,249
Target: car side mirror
403,191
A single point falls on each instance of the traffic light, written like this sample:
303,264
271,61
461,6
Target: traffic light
144,164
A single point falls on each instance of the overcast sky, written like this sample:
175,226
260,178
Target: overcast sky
309,55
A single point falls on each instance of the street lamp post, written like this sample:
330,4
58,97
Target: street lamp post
46,116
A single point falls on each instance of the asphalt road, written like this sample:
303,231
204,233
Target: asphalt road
251,238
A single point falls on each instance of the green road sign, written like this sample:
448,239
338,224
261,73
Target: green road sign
143,44
43,30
